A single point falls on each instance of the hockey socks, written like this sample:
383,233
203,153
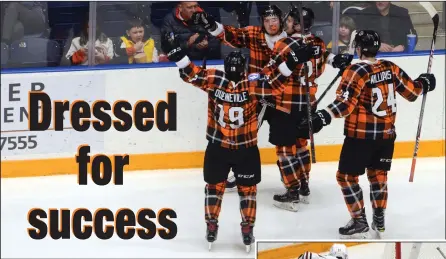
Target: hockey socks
213,198
352,193
378,188
288,165
248,203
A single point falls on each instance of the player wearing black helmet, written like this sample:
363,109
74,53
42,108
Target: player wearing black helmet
259,39
366,99
232,127
294,157
292,20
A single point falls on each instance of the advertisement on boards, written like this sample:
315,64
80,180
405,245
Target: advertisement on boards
18,141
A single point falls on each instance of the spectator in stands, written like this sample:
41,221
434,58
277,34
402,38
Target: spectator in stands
392,22
78,52
195,39
23,18
138,47
346,27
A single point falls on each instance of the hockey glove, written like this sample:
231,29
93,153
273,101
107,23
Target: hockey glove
342,61
298,54
171,46
319,119
205,20
427,81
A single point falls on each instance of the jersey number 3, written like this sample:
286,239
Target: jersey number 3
235,116
391,101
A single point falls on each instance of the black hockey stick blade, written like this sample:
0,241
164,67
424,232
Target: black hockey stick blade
435,19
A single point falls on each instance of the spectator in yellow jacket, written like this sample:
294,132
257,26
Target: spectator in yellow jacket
136,46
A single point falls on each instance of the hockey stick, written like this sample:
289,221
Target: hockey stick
329,86
307,92
441,252
435,19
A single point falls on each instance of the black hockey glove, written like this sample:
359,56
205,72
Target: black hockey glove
205,20
171,47
298,54
319,119
342,61
427,81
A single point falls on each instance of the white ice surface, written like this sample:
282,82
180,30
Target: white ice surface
415,211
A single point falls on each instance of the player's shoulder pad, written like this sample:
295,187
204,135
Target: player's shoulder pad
253,77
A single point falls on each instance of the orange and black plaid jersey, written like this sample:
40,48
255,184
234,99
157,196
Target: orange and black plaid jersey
366,98
232,118
252,38
294,94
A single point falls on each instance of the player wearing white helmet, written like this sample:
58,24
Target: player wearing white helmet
339,251
310,255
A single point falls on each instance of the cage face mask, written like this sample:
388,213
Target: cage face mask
234,66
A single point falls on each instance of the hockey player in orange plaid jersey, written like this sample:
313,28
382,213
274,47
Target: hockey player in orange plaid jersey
294,156
259,40
232,126
366,99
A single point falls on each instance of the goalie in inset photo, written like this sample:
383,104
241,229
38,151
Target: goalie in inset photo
351,250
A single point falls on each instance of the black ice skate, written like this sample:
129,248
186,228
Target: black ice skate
356,228
288,200
304,192
211,231
378,222
247,235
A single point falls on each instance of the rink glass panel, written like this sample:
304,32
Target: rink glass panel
48,45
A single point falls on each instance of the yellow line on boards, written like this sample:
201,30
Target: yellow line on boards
295,250
181,160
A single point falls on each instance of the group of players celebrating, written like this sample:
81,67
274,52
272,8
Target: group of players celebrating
284,63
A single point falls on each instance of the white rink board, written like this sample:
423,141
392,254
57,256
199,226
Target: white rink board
152,84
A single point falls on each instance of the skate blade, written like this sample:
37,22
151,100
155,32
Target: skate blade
379,234
304,199
248,248
363,235
210,246
294,207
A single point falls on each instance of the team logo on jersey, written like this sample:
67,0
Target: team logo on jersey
253,76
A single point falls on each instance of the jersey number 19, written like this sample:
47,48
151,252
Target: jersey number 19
235,115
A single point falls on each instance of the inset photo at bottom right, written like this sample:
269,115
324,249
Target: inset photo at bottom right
351,250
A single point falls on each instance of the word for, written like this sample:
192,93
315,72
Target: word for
143,115
82,223
98,177
18,142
